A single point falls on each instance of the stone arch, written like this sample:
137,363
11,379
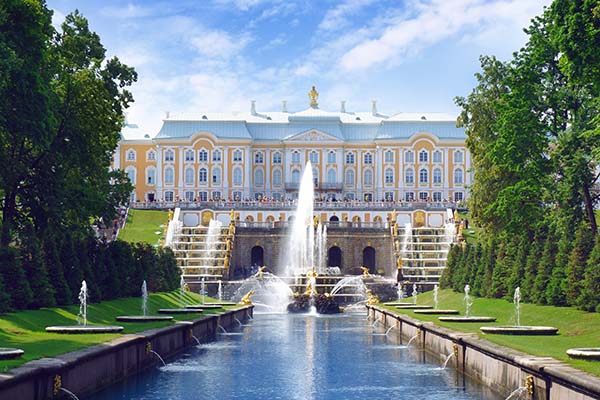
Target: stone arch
369,259
334,257
334,218
249,218
257,256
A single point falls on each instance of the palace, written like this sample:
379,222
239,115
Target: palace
365,156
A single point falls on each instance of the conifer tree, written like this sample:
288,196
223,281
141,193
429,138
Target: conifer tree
56,273
35,269
545,268
584,242
555,294
589,298
15,281
530,270
498,287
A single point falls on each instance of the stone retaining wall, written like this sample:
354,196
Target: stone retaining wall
88,370
500,368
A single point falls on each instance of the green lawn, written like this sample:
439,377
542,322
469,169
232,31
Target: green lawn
142,226
472,232
25,329
576,328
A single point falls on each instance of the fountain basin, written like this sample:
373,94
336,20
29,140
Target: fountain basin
82,329
7,353
467,319
204,306
436,311
222,303
414,307
520,330
397,303
144,318
179,310
588,353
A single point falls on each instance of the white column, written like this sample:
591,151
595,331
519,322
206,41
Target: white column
159,161
446,161
339,158
400,178
225,172
378,180
117,158
247,171
267,172
180,172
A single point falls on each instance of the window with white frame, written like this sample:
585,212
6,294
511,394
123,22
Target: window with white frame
350,177
169,176
349,158
276,196
216,196
237,196
295,176
203,196
437,196
189,176
331,157
458,176
169,155
388,196
259,158
295,156
423,196
189,155
237,176
350,196
189,196
423,176
151,176
151,156
458,156
437,175
409,196
423,156
203,175
389,156
409,176
458,197
437,156
237,156
216,156
203,155
130,171
331,176
216,175
130,155
277,177
409,157
315,176
313,157
368,158
169,195
389,175
368,177
259,177
277,158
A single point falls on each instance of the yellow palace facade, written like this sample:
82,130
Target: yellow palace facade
255,155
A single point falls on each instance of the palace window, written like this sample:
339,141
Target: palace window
423,176
189,196
458,156
169,196
216,175
259,177
368,178
423,156
349,158
189,176
169,176
151,156
368,158
437,156
331,176
389,156
203,196
131,155
423,196
368,196
237,156
350,196
216,196
313,157
203,175
276,196
389,175
151,176
409,157
237,196
169,155
237,176
277,177
409,176
258,158
189,155
277,158
296,156
130,171
315,176
350,177
437,175
409,196
203,155
458,197
458,176
331,157
389,196
437,196
216,157
295,176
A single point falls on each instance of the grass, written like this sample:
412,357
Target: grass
470,234
576,328
142,226
26,329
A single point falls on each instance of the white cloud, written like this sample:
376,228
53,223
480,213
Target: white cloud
128,11
57,19
337,17
243,5
219,44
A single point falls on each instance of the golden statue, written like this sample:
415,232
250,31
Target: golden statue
316,221
246,299
232,215
228,245
310,291
393,216
371,298
186,287
260,272
170,215
231,229
395,230
226,263
365,271
312,273
344,218
399,263
314,95
455,216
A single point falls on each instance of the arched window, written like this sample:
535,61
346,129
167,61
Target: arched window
350,177
331,176
295,176
437,175
237,176
131,155
237,156
259,177
389,175
409,157
409,176
458,156
189,155
277,177
423,175
437,156
277,158
169,155
368,158
169,176
368,178
203,175
296,156
331,157
216,175
423,156
258,158
458,176
349,158
203,155
151,156
216,157
131,174
151,176
189,176
389,156
313,157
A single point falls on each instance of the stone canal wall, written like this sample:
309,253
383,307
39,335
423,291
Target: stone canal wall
500,368
88,370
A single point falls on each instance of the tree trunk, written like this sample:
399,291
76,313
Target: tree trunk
589,208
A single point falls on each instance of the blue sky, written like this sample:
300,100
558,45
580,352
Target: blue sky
217,55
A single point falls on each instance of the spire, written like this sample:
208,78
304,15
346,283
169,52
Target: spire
374,107
284,106
314,95
343,106
253,107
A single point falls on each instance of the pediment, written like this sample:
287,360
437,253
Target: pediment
312,135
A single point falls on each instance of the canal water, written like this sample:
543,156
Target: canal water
304,357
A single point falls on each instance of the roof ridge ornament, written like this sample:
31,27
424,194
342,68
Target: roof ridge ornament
314,95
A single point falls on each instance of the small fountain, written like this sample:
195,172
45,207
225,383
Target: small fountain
400,295
144,317
448,357
519,329
413,338
436,309
312,300
413,305
184,309
467,318
83,326
8,353
270,292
